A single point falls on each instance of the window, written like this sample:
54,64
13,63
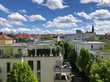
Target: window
8,67
91,46
39,76
30,64
8,75
38,65
1,52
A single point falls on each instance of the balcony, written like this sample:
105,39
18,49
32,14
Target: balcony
62,70
62,77
65,67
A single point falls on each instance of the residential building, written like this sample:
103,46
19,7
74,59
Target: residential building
6,40
43,57
24,38
90,45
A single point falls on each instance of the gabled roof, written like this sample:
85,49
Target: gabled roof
23,36
5,37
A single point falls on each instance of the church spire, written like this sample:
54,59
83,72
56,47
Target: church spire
92,28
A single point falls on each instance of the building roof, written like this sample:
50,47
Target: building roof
5,37
24,36
88,42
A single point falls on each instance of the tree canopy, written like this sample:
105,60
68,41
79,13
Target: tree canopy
100,71
21,72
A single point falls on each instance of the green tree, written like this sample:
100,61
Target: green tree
72,58
66,49
21,72
84,63
61,45
69,54
100,71
8,51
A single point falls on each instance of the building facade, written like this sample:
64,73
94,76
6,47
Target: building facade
43,58
90,45
5,40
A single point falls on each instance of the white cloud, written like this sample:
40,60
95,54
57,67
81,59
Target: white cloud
38,1
36,18
14,30
4,22
22,11
99,2
25,30
17,23
62,22
8,30
64,31
9,23
22,29
51,4
98,14
17,17
4,9
102,27
101,19
55,4
89,1
83,14
102,13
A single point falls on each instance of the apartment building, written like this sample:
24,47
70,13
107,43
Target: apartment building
43,57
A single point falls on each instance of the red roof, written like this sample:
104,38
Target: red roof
24,36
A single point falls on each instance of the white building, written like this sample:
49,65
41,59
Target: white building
80,35
90,45
43,59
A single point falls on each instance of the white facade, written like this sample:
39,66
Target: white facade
41,58
90,45
46,71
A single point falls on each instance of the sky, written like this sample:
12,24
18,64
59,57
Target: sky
54,16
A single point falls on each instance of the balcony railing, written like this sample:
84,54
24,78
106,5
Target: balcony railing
62,70
62,81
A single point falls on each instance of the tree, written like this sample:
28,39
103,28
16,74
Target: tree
8,51
84,63
69,54
60,44
66,49
21,72
100,71
72,58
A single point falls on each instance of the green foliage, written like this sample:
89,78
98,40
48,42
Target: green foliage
84,63
21,72
84,59
66,48
72,58
8,51
100,71
61,45
69,54
23,40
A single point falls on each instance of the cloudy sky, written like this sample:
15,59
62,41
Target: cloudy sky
54,16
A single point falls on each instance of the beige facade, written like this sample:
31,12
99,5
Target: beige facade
5,40
41,58
46,70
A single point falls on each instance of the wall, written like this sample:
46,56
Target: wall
47,67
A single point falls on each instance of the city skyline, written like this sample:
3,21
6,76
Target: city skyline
54,16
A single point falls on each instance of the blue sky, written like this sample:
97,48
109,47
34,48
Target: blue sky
54,16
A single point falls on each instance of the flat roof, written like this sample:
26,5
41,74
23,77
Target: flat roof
89,42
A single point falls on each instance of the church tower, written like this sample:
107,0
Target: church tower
92,28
